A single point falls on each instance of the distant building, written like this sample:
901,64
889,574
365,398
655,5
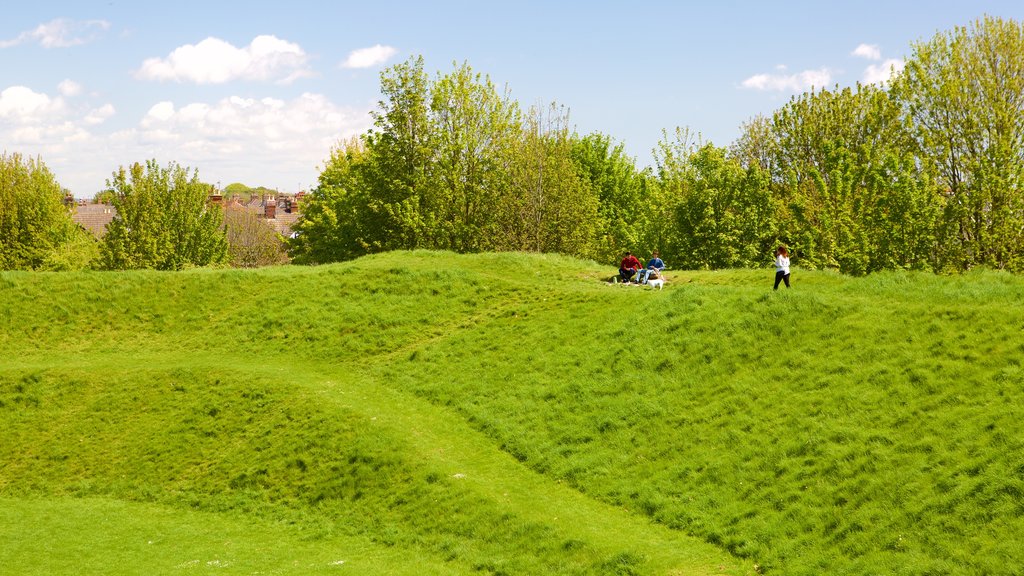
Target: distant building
279,211
93,217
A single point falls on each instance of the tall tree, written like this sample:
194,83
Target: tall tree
673,173
474,128
550,206
403,148
164,220
337,222
724,214
621,194
963,91
831,150
36,230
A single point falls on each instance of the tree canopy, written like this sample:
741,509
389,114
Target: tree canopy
36,230
924,171
163,221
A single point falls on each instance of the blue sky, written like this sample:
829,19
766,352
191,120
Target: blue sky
258,92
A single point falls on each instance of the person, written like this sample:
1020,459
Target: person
781,266
629,266
654,266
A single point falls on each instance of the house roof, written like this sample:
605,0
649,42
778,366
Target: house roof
94,217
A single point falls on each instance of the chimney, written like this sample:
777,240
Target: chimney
270,208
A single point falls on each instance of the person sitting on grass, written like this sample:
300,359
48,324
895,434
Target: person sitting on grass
655,266
629,266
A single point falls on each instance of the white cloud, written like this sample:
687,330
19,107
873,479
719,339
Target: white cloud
789,82
214,61
22,105
267,122
260,141
881,73
369,57
99,115
869,51
60,33
69,88
279,143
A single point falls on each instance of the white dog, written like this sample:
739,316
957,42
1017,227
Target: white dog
658,283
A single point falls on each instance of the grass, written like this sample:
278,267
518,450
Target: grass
468,412
104,536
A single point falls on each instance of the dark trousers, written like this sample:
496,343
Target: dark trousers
781,276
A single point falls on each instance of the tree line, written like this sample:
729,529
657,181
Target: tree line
923,172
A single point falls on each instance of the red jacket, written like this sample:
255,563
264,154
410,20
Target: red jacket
630,263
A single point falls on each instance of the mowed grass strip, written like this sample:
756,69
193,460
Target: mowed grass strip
105,536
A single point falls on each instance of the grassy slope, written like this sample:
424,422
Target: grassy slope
249,395
468,411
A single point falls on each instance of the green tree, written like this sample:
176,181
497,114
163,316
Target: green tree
36,230
474,130
673,173
963,91
621,194
724,214
550,206
337,221
164,220
757,144
252,243
402,147
833,159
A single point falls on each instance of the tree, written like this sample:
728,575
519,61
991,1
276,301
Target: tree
400,200
621,194
36,230
723,214
550,205
963,92
474,129
672,175
251,241
838,158
164,220
338,221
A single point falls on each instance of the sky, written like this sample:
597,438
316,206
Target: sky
259,92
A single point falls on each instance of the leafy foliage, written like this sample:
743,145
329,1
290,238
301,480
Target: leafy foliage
453,163
251,242
963,92
36,230
163,220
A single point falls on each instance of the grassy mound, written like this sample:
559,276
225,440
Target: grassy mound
474,413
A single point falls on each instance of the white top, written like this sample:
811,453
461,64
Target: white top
782,264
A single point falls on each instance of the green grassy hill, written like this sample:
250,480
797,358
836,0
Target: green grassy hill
427,413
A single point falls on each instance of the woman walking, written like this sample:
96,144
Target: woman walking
781,266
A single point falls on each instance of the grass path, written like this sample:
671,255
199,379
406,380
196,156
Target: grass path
104,536
446,443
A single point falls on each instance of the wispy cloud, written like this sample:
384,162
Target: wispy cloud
214,61
60,33
369,57
869,51
782,82
881,73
